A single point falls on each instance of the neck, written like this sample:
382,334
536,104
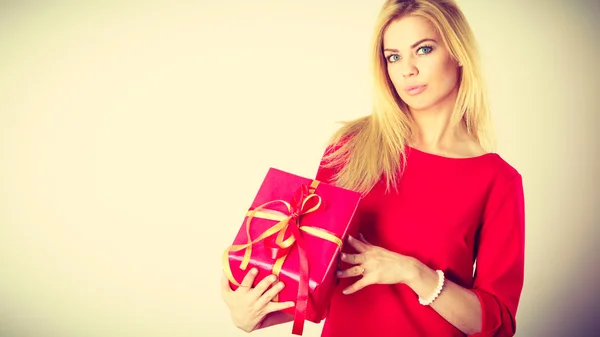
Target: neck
433,128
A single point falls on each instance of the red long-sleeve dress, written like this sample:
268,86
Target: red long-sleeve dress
447,212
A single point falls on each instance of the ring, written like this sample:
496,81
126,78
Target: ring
362,270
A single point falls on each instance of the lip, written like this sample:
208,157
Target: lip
415,89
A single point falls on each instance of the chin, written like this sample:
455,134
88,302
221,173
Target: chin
419,104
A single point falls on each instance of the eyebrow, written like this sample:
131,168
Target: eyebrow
412,46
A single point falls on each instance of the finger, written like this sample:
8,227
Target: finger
249,279
270,294
362,238
277,306
350,272
353,258
356,286
262,286
357,244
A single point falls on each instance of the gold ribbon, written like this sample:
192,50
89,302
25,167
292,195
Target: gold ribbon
279,228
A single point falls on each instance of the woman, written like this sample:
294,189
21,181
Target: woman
441,250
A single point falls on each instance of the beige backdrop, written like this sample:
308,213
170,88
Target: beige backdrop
134,136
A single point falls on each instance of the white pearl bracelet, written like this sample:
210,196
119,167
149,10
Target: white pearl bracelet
437,291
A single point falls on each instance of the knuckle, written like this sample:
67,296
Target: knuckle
274,291
261,311
267,297
257,307
268,280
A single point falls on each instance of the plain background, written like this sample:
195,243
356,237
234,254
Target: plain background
133,137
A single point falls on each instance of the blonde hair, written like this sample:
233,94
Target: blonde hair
372,147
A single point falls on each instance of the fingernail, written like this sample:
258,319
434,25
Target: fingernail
280,285
338,273
254,271
291,304
272,278
343,256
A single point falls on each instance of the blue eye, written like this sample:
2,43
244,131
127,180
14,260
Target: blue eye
390,58
428,49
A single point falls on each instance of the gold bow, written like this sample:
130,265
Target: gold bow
279,228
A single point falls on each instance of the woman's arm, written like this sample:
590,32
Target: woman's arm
490,307
458,305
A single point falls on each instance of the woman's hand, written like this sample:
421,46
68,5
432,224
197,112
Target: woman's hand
249,306
376,265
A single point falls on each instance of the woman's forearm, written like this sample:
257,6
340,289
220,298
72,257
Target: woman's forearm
458,305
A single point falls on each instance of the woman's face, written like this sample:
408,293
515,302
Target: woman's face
419,65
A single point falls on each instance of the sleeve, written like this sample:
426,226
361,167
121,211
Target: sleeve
499,272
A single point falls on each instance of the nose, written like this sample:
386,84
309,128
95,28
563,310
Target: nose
409,69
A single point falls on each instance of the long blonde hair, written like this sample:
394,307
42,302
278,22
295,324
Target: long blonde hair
372,147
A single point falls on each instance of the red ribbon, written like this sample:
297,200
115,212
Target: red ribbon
277,252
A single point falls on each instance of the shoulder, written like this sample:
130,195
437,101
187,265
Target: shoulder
504,174
505,183
499,170
503,170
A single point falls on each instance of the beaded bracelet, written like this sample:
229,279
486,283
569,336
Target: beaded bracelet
437,291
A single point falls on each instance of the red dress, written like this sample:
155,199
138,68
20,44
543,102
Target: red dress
447,212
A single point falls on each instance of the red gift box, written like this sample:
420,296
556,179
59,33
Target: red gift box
295,229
